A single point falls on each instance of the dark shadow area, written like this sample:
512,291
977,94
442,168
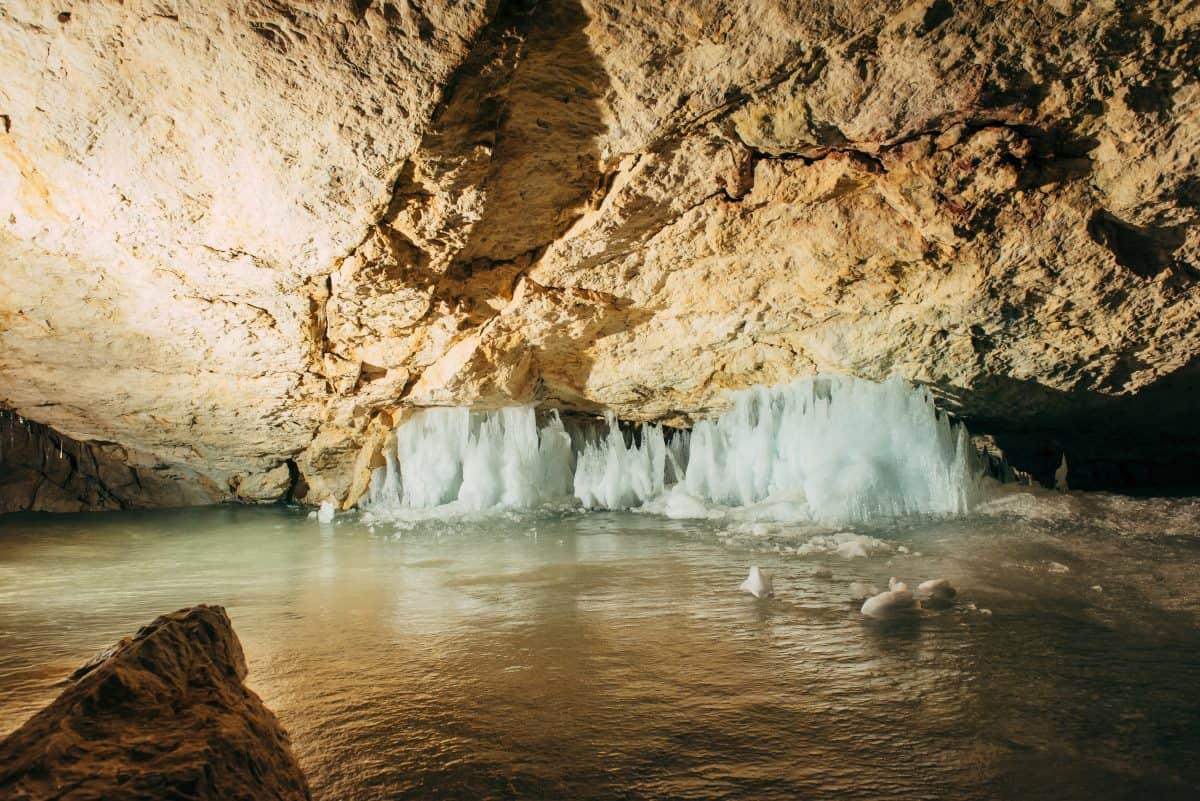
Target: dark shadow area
517,130
1143,250
518,122
1094,709
1150,440
41,470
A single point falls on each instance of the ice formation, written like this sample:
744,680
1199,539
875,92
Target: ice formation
860,591
1060,476
823,449
325,513
848,449
759,584
610,474
937,588
475,461
894,602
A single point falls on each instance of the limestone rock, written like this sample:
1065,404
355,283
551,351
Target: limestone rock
163,714
238,234
269,485
44,471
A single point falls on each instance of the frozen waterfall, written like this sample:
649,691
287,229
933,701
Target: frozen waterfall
848,449
831,449
475,460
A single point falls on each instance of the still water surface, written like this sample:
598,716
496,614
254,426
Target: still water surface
610,655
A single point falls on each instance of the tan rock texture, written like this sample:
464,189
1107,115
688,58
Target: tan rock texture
240,238
162,714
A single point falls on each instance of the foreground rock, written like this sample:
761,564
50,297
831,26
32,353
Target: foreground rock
163,714
241,239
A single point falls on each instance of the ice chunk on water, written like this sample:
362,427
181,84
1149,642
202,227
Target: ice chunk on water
938,594
937,588
759,583
889,604
851,550
325,513
860,591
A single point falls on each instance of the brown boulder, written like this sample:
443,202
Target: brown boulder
163,714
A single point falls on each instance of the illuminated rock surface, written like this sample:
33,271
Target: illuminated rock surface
163,714
241,239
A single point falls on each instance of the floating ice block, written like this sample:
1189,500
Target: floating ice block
758,584
888,604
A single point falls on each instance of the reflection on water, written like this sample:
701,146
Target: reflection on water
610,655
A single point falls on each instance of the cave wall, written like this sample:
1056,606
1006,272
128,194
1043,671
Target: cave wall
241,238
43,471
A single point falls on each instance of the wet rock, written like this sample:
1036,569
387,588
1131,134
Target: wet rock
162,714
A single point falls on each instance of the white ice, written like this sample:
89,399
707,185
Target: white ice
846,449
892,603
326,512
1060,476
827,450
939,589
860,591
759,584
474,461
610,474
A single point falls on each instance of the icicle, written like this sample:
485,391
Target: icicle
475,460
843,448
612,475
826,449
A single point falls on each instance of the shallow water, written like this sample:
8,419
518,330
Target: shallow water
610,655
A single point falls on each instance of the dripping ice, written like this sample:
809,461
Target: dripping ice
475,461
827,449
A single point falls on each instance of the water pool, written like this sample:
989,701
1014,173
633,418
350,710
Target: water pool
610,655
